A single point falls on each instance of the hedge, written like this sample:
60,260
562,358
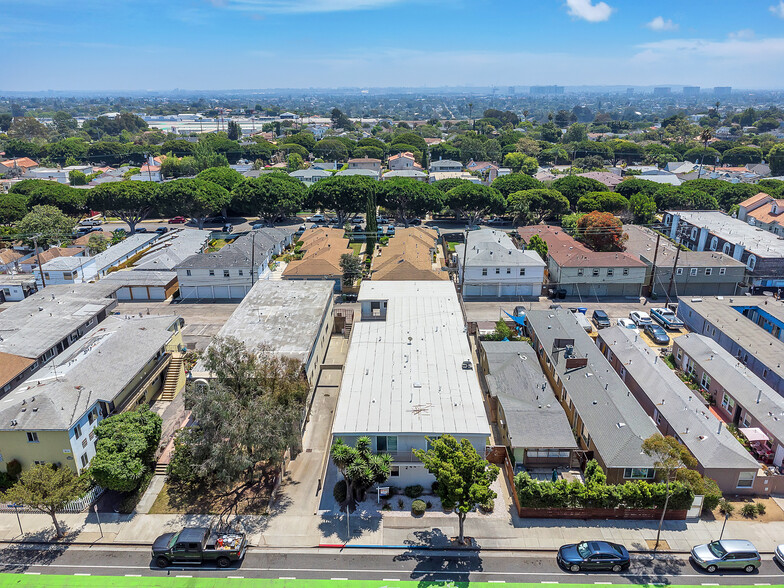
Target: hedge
598,494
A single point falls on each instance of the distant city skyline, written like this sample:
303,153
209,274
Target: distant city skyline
266,44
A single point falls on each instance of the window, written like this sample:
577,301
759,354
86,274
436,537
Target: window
622,373
727,403
225,273
85,460
693,271
212,272
722,271
46,275
705,382
394,471
679,271
548,453
679,354
522,271
595,272
708,271
726,249
32,437
714,243
484,271
67,275
39,462
609,272
497,270
638,473
764,373
187,272
657,416
77,431
240,272
751,263
580,272
746,480
746,420
386,443
508,270
626,271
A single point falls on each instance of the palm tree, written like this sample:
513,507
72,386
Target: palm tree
705,136
360,467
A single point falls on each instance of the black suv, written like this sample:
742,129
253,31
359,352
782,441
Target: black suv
600,318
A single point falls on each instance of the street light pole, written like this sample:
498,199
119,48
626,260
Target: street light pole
726,516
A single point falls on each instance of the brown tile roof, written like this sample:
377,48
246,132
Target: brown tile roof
51,253
406,154
754,199
408,257
607,178
568,252
11,366
19,162
322,250
84,239
8,256
765,215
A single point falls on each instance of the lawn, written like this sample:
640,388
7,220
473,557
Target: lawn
356,248
161,581
451,245
212,500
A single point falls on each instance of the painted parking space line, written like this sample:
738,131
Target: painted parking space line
133,575
81,574
339,579
390,579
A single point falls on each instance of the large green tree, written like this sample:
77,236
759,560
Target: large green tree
193,197
575,187
47,489
473,201
346,195
225,177
740,156
643,208
131,200
13,208
776,160
47,192
514,183
269,196
409,198
360,468
521,163
125,449
463,477
48,224
541,203
602,201
631,186
536,243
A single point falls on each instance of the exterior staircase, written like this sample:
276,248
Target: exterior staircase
160,469
174,374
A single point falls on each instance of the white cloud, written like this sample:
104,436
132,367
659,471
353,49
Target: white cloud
778,9
743,34
302,6
587,10
658,24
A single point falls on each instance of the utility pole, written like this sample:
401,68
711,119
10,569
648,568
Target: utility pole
465,254
252,258
38,259
672,275
653,267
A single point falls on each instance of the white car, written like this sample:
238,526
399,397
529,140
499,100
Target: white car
316,218
625,323
640,318
778,555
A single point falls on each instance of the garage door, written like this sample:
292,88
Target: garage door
525,289
204,292
238,291
139,293
490,290
221,292
157,293
473,291
123,294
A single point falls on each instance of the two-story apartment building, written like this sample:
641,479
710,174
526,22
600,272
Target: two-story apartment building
489,265
446,165
763,211
51,418
579,271
368,163
230,272
760,250
310,175
43,325
323,248
678,411
698,273
403,379
609,424
403,161
748,327
413,255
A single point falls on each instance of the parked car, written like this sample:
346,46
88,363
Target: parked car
640,318
142,230
357,219
497,220
626,323
391,230
357,228
657,334
381,220
177,220
314,226
81,231
727,554
666,318
91,222
162,230
227,228
601,318
260,225
196,545
778,555
593,555
316,218
415,222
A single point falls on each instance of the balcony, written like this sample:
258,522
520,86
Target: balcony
402,456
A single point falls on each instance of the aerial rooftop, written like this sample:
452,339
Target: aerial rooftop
754,239
240,252
404,374
642,243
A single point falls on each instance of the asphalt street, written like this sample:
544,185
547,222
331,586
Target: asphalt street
384,565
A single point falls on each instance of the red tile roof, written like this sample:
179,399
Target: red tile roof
568,252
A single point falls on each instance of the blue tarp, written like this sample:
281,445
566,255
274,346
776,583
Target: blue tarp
520,320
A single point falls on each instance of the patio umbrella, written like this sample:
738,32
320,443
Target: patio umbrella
754,434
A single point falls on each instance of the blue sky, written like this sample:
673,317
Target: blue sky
222,44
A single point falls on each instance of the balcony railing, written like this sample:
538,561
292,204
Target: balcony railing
402,456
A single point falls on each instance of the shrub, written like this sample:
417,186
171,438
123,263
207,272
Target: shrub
414,491
726,507
760,508
400,504
339,492
418,507
434,488
749,510
13,468
386,506
6,481
430,505
487,507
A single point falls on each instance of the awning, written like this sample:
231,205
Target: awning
754,434
520,320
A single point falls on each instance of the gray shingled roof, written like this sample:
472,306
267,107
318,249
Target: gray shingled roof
98,367
681,407
173,248
114,253
534,418
238,253
616,423
488,246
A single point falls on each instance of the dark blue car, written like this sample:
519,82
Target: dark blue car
593,555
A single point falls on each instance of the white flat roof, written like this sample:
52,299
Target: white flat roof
403,374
